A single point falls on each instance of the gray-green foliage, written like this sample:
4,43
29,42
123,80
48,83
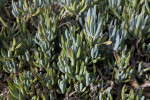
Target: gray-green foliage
75,48
117,36
93,27
137,25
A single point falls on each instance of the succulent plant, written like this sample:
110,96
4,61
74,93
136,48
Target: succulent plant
137,26
74,49
74,6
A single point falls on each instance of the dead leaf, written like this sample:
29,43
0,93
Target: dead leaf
134,83
146,84
146,90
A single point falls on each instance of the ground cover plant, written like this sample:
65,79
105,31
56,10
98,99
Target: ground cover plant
74,49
